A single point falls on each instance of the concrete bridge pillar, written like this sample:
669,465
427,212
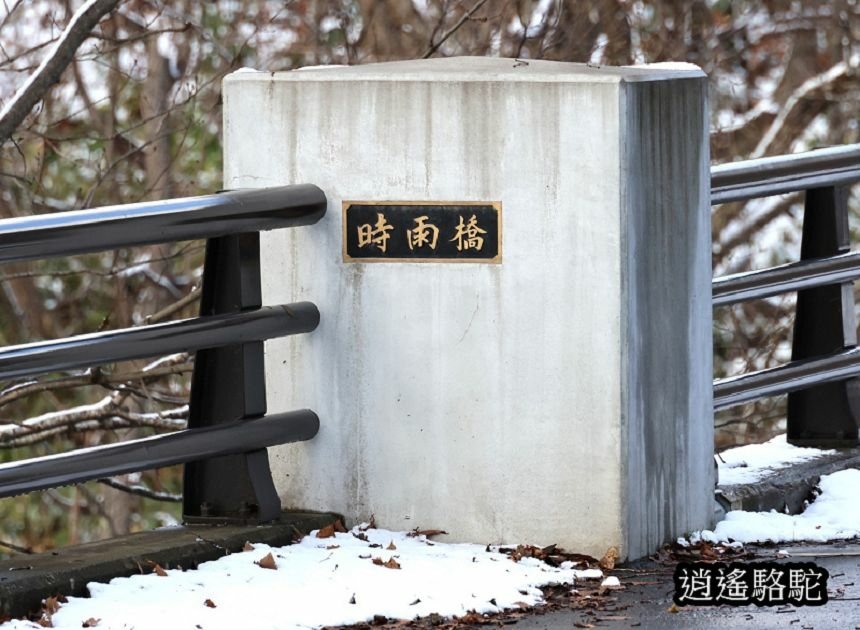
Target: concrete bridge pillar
542,373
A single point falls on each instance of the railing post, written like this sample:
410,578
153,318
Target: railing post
826,415
229,384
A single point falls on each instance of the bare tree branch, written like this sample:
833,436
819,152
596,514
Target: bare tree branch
50,70
14,547
434,47
142,491
179,364
177,306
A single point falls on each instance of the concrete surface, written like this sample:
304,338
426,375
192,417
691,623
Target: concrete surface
26,579
573,380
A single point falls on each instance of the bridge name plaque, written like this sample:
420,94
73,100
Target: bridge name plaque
418,231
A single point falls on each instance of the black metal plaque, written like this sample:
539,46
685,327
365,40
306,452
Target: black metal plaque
409,231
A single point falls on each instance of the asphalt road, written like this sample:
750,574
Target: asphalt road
646,599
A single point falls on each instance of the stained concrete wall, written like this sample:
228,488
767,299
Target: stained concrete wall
552,398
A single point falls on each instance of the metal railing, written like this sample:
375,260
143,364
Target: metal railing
821,379
227,476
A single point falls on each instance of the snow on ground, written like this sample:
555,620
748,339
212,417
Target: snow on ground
319,581
834,515
747,464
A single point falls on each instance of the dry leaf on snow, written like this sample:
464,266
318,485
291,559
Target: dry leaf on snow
426,532
329,530
92,622
267,562
51,605
209,603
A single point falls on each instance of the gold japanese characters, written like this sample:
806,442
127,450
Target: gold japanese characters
422,231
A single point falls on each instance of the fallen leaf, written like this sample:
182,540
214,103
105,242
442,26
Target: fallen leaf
426,532
209,603
707,551
375,546
248,546
364,557
352,599
51,605
583,625
157,568
530,551
522,605
673,609
361,536
471,617
392,564
333,547
329,530
607,562
92,622
267,562
391,546
417,601
379,620
378,561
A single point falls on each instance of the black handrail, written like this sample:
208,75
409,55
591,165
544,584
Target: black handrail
790,377
805,274
187,445
113,227
821,379
189,335
763,177
227,475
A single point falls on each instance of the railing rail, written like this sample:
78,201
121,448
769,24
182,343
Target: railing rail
179,447
189,335
755,285
763,177
227,476
171,220
821,379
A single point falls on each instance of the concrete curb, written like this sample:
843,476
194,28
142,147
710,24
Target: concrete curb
788,487
27,579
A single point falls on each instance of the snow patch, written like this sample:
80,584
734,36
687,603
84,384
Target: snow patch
319,582
834,515
750,463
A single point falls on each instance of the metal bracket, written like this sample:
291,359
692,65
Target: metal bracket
825,416
228,385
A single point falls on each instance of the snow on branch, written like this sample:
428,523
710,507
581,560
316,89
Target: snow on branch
107,413
792,108
49,71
